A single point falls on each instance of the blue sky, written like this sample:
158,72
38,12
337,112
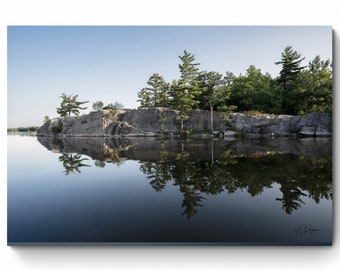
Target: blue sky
113,63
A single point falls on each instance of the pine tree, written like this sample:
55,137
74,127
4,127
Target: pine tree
185,90
215,92
69,104
255,91
288,78
316,87
155,95
145,98
188,69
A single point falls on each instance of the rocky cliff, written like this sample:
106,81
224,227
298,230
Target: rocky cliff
310,125
162,122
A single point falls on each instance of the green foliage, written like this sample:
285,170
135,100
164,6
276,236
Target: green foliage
23,129
291,67
215,92
288,79
185,91
145,98
316,87
114,106
297,89
97,105
156,94
69,104
255,91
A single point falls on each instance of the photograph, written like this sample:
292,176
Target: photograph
169,135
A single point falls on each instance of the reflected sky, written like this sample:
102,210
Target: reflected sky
117,203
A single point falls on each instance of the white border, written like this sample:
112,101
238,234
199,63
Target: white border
173,12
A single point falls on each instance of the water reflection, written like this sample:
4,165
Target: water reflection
298,176
72,162
194,178
200,168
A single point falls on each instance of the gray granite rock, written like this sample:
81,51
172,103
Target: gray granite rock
162,122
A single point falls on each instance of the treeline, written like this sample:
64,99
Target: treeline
23,129
296,90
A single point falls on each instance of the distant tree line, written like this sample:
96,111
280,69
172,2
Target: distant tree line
296,90
23,129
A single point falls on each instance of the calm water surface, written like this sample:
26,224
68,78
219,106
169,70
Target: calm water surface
96,190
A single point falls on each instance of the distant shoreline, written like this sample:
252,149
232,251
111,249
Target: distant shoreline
24,129
31,133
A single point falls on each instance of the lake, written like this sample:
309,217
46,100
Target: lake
199,191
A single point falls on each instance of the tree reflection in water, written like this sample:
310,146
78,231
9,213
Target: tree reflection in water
72,162
298,176
192,167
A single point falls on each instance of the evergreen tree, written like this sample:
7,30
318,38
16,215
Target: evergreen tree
156,94
69,104
316,87
215,92
145,98
188,69
209,83
242,93
288,79
255,91
185,90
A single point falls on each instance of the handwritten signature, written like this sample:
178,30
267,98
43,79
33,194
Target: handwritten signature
305,229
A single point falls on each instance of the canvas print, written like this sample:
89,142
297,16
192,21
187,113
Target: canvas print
169,135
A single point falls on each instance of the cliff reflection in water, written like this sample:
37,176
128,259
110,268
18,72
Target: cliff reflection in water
200,168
